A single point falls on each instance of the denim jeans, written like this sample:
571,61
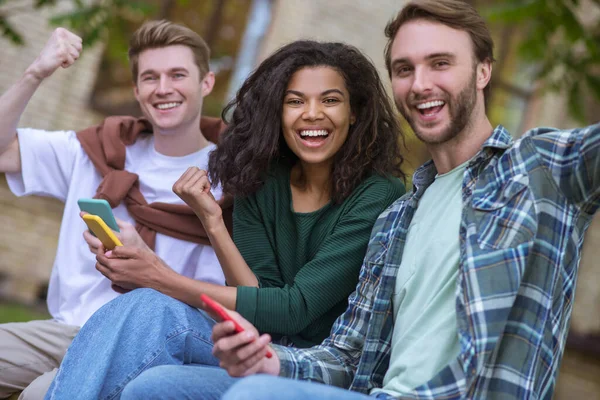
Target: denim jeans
266,387
131,334
179,382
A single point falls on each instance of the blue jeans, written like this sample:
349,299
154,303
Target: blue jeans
266,387
131,334
179,382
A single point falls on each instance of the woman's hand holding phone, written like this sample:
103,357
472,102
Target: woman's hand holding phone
238,345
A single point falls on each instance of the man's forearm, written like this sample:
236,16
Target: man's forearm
12,106
62,49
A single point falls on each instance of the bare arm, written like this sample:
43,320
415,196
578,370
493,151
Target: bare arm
61,50
133,267
194,188
236,270
12,105
189,290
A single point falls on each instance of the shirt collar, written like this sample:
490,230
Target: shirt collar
500,139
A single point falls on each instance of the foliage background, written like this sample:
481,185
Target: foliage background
561,52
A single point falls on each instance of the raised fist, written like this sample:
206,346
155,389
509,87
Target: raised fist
193,187
61,50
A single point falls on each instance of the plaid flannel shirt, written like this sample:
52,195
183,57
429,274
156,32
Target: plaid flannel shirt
526,206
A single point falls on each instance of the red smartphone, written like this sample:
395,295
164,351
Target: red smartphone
216,307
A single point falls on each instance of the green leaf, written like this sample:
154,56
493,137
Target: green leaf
116,50
574,31
592,44
42,3
88,22
78,17
535,46
594,85
575,102
141,6
7,30
514,11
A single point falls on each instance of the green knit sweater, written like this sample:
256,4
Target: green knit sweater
307,264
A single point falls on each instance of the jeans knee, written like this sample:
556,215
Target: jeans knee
133,390
145,386
146,296
144,301
263,387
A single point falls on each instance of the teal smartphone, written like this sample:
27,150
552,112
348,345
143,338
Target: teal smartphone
101,208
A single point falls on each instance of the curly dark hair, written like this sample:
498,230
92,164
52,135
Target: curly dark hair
253,141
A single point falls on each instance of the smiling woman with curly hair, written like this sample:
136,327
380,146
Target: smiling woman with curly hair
311,158
254,139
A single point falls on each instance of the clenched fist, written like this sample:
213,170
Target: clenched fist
193,187
61,50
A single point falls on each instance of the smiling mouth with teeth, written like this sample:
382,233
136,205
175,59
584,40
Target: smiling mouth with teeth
314,135
431,107
167,106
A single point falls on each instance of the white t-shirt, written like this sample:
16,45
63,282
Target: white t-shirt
54,164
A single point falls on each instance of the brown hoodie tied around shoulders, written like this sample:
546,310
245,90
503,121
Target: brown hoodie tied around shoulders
105,146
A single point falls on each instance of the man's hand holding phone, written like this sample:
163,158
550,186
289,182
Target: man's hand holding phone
128,236
130,268
238,345
133,264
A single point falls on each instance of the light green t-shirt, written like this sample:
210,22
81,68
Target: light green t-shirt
425,336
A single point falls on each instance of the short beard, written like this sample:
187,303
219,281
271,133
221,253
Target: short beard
460,108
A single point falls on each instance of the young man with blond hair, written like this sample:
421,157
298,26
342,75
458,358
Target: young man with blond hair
133,163
467,286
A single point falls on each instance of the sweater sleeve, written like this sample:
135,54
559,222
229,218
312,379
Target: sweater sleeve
329,277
